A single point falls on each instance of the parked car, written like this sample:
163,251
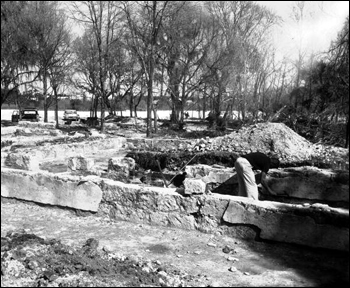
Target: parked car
26,114
71,115
15,116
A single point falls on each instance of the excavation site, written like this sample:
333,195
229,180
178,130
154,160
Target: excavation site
175,143
84,208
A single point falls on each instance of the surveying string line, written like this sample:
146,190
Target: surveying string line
183,167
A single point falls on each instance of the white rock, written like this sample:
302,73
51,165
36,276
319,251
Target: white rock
80,163
194,186
211,244
232,269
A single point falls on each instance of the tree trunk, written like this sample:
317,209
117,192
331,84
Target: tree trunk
150,94
183,99
131,102
217,106
154,108
347,134
151,71
175,97
56,106
45,95
204,101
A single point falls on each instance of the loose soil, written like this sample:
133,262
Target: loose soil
54,247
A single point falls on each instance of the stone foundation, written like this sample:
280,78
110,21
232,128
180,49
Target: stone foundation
314,225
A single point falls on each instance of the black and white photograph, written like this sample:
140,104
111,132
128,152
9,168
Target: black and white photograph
174,143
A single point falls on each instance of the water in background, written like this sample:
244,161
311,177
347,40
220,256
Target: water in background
162,114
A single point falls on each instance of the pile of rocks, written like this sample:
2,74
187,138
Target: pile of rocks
264,137
276,139
32,261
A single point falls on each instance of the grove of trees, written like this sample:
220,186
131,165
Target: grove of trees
212,56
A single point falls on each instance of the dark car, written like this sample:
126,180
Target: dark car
26,114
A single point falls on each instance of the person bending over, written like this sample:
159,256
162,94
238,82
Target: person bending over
246,178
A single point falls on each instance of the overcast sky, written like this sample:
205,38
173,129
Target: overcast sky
323,20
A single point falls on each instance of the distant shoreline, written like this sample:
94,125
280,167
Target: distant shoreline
162,114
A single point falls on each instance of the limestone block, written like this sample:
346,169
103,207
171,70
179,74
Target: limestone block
72,150
80,163
8,130
113,191
55,132
145,200
23,132
209,173
201,170
218,177
95,133
213,207
310,183
22,161
121,164
111,126
207,224
50,189
42,125
194,186
167,203
188,205
182,221
287,223
159,218
130,146
3,158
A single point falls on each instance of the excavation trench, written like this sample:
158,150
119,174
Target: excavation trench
148,173
99,176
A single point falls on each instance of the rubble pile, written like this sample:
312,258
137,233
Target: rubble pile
276,139
28,260
264,137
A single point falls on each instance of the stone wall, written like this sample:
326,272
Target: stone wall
314,225
64,150
304,183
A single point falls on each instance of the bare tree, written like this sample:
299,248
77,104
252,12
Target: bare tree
339,65
17,50
240,28
182,50
46,25
85,65
144,21
102,18
60,72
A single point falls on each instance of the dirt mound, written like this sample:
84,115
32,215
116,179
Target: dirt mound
31,261
270,138
275,139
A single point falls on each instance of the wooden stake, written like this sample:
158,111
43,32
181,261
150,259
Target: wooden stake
160,170
183,167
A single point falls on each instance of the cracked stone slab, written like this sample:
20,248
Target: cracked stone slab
49,189
291,223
